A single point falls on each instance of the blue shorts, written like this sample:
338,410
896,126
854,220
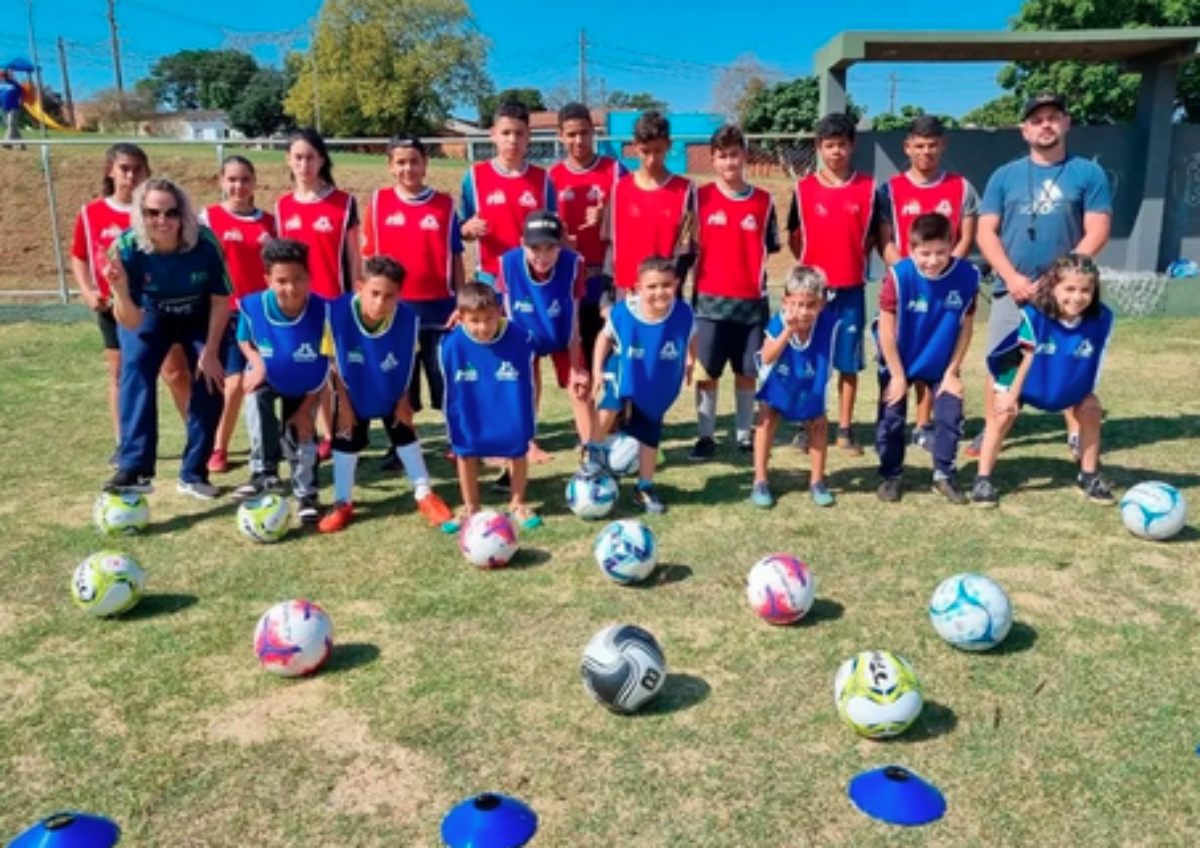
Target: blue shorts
850,307
235,360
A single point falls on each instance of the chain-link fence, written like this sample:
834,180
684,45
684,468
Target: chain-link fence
49,182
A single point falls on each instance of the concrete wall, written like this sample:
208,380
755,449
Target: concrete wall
977,153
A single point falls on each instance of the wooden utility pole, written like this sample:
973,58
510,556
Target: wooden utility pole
68,102
583,92
116,45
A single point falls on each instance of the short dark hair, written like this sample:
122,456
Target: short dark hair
386,267
836,125
657,265
474,296
932,226
406,142
512,109
651,125
1079,263
926,126
574,112
728,136
284,251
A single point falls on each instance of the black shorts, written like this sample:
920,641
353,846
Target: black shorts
591,323
430,340
727,342
642,427
108,329
399,434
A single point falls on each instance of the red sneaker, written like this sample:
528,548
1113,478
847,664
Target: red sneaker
337,519
324,449
218,463
434,509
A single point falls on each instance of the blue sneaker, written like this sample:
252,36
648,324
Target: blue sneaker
820,494
761,497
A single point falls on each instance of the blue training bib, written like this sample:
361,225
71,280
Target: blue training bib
489,403
376,367
651,357
545,310
795,384
291,349
929,317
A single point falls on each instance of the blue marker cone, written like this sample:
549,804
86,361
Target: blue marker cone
895,795
70,830
489,821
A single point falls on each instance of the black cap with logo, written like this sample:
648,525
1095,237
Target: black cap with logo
542,227
1046,98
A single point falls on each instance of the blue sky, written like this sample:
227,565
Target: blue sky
674,55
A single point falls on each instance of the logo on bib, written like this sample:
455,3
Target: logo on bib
913,207
110,232
294,223
389,363
264,237
507,372
232,235
919,304
637,353
716,219
466,375
356,357
265,350
750,224
595,195
1046,348
527,200
810,373
429,222
523,305
555,309
782,370
669,352
566,195
305,353
323,225
954,301
396,219
1085,350
496,198
943,208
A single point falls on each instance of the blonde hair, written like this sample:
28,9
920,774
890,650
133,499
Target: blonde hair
189,224
804,279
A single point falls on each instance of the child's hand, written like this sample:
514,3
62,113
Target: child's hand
403,413
114,272
210,365
581,383
952,384
593,217
897,389
598,386
302,422
475,228
93,300
454,320
254,376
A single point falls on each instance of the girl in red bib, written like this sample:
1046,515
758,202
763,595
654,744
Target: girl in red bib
242,229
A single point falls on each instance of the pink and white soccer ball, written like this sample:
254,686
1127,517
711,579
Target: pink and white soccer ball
781,589
488,539
293,638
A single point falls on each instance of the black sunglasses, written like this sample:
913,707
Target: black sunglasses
171,214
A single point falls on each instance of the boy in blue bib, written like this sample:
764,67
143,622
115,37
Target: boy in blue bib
793,375
1052,362
280,332
372,340
487,367
926,308
651,337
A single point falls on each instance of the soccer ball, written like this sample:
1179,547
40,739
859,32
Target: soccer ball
626,551
293,638
488,539
1154,510
264,519
970,612
877,694
121,513
107,583
623,453
591,496
623,667
780,589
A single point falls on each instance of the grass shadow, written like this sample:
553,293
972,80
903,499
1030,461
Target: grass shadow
680,692
530,558
156,605
823,609
936,720
349,656
1021,638
666,574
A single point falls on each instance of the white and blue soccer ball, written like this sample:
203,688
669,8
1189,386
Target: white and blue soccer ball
107,583
877,694
623,667
592,496
121,513
1154,510
264,519
971,612
626,551
623,454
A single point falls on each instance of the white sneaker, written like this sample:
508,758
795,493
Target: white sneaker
199,489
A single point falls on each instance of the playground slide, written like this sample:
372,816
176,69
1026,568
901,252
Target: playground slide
30,102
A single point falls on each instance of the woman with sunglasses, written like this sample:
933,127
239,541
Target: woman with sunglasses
170,286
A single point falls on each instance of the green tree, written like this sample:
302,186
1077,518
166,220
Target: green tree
1100,93
891,121
199,79
531,98
377,67
641,101
259,111
787,107
1003,111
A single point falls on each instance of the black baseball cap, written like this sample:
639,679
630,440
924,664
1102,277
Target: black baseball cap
542,227
1046,98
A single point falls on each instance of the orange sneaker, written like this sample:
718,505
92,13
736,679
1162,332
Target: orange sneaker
434,509
337,519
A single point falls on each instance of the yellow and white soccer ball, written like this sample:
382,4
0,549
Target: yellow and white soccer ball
107,583
877,694
264,519
121,513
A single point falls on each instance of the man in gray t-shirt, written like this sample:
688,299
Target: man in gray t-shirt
1034,210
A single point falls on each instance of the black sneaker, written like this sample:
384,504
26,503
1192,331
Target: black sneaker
503,483
745,444
949,489
309,512
890,490
704,450
129,481
647,498
1095,489
258,485
984,494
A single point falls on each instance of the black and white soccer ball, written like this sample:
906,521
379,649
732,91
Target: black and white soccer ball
623,668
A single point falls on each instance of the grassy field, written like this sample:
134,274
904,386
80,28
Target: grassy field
446,681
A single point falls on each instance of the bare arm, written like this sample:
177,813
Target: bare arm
355,254
1096,229
604,346
887,244
796,243
773,347
458,272
82,272
952,378
988,237
966,240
